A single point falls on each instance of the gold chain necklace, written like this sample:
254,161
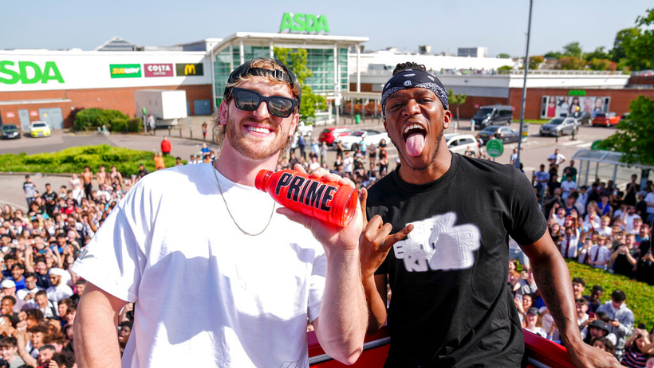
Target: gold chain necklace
230,212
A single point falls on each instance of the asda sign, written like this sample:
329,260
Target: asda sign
28,72
304,23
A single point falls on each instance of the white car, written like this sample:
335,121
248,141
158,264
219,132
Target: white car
304,129
459,143
370,136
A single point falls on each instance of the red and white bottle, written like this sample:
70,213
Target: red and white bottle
324,200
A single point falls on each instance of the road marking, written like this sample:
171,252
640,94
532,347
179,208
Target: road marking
528,168
572,143
585,145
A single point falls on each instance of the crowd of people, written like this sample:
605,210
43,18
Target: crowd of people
603,227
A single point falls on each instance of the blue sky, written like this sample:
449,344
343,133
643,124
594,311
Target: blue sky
445,25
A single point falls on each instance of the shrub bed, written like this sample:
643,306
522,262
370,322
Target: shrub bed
73,160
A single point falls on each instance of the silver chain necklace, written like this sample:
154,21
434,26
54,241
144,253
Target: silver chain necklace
230,212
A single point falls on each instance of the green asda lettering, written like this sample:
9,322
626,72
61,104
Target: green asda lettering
304,23
28,72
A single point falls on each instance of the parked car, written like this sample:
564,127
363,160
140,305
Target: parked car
459,143
40,129
492,115
505,134
582,117
10,131
559,127
329,134
370,136
606,119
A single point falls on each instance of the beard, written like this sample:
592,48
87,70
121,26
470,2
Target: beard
439,138
252,150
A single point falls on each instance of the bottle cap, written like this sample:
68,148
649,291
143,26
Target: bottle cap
344,205
262,179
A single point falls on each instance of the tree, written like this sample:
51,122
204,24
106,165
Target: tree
639,49
535,61
572,50
503,56
621,38
296,60
570,63
635,136
599,53
602,64
553,55
456,100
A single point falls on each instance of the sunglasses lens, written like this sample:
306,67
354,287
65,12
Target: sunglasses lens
280,107
246,100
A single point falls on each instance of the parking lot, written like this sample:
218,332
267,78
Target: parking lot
535,150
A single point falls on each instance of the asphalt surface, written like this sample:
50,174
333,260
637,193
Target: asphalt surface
535,151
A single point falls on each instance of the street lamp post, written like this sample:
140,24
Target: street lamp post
524,86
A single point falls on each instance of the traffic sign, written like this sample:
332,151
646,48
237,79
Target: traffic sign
495,147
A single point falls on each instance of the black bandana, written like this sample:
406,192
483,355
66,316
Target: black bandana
411,78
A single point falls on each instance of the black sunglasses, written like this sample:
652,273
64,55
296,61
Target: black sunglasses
248,100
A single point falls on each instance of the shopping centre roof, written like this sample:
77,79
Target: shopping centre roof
290,39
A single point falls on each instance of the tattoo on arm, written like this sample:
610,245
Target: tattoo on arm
546,282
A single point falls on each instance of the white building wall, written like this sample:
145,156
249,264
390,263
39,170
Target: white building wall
91,69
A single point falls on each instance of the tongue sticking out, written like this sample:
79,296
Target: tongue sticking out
414,144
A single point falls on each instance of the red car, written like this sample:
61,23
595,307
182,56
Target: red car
606,119
329,134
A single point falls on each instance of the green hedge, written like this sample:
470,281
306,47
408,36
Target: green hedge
91,118
73,160
639,294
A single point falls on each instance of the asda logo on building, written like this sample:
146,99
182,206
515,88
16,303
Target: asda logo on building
305,23
28,72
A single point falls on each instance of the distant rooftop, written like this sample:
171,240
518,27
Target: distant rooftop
117,44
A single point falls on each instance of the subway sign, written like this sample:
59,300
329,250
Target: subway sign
28,72
125,70
304,23
186,70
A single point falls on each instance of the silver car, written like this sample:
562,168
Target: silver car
559,127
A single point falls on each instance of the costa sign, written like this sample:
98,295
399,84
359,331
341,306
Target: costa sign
304,23
158,70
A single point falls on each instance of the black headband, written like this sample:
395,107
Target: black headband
412,78
285,75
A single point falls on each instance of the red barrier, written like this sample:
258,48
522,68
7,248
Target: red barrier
540,352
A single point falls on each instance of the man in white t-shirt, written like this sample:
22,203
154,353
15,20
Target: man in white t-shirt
568,186
649,199
556,158
235,284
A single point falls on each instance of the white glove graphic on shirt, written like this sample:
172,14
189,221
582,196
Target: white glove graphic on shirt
437,244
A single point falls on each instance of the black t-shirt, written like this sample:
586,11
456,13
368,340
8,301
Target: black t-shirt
450,304
621,266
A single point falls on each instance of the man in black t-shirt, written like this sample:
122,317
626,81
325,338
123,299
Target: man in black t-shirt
452,217
50,198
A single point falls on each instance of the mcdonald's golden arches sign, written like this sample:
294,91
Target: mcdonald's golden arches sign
189,70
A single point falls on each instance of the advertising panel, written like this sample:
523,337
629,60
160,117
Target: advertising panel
158,70
189,70
562,106
125,70
65,70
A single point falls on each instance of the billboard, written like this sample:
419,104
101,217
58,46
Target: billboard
562,106
125,70
189,69
158,70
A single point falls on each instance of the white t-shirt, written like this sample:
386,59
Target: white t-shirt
558,158
567,186
649,198
538,331
629,223
603,256
205,293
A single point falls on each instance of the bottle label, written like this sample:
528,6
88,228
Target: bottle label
306,191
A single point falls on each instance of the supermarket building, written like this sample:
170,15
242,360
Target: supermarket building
52,85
